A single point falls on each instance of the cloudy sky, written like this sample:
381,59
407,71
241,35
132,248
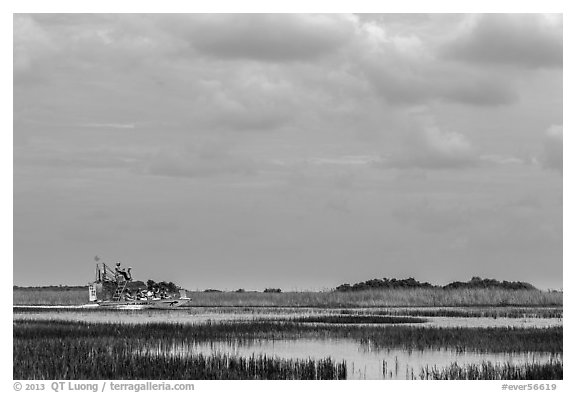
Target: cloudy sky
291,151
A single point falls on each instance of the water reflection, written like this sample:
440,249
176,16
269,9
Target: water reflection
364,361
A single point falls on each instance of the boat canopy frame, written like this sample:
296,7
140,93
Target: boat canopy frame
106,274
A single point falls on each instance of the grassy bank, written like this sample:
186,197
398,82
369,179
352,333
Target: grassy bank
553,370
433,297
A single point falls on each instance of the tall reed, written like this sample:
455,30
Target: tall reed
553,369
435,297
111,358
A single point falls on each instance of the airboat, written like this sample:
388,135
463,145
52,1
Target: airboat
111,288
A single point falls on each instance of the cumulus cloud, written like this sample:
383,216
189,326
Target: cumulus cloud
248,100
552,155
418,83
522,40
31,43
118,112
259,71
268,37
450,144
428,146
435,149
405,70
315,76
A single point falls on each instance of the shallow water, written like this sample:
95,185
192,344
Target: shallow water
363,361
196,315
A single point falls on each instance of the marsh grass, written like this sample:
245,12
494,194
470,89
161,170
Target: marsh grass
552,370
384,336
466,312
82,350
348,315
355,319
111,358
50,296
382,298
433,297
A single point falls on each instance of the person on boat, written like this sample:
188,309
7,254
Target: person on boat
123,272
128,295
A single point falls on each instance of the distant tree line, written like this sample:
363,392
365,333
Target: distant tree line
477,282
384,283
376,283
393,283
242,290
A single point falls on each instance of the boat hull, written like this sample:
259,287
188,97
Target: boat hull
145,304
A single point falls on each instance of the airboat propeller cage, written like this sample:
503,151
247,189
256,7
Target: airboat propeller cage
106,283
